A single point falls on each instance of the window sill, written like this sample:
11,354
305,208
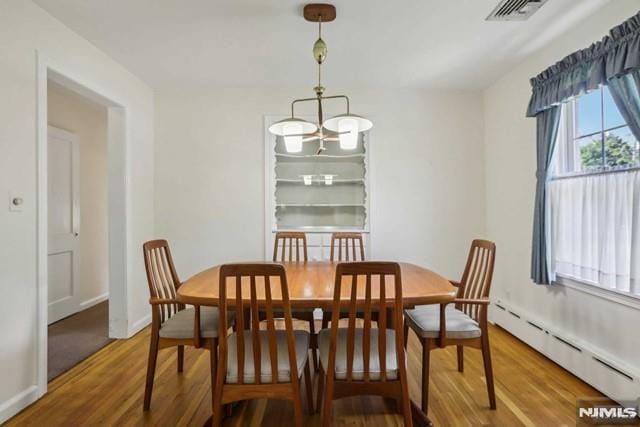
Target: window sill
619,297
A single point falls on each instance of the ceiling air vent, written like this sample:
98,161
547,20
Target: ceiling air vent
515,10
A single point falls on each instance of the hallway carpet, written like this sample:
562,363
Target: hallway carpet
74,338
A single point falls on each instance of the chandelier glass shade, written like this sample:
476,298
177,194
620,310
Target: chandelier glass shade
344,128
292,129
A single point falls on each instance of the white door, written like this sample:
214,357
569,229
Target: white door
63,223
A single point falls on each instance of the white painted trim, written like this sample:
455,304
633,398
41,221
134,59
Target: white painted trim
139,325
269,162
49,68
12,406
93,301
41,225
598,291
576,355
370,179
62,133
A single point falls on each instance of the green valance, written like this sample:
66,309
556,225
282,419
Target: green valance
616,54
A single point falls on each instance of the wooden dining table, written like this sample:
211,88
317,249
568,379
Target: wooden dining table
311,285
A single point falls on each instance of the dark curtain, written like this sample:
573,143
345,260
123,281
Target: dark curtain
547,130
625,91
615,55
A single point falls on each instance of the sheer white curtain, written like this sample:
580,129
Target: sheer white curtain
595,229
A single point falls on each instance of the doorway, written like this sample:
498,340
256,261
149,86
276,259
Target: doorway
75,82
77,199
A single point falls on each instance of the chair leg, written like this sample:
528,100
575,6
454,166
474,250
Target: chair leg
406,335
216,405
309,388
297,410
151,369
180,358
404,404
488,369
320,390
426,350
328,400
314,343
217,412
460,350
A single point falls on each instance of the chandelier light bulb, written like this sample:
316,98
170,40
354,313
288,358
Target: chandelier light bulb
293,137
328,180
308,179
348,133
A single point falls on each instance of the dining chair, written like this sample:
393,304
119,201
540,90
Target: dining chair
172,324
290,239
464,324
256,363
282,240
345,240
341,240
365,361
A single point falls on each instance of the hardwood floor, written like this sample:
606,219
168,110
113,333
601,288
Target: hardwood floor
108,388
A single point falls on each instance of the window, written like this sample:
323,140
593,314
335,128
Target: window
594,196
593,136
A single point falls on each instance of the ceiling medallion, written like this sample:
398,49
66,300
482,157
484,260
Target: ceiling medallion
343,127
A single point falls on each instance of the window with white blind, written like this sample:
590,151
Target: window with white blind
594,196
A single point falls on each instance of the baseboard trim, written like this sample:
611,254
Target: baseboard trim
593,365
17,403
139,325
93,301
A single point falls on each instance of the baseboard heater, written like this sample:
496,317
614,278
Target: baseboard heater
594,366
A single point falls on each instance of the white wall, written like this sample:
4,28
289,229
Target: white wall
88,121
426,162
24,30
510,177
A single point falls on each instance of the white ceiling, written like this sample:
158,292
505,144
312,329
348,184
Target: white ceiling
406,43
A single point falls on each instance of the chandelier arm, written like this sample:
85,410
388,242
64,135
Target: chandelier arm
346,98
300,100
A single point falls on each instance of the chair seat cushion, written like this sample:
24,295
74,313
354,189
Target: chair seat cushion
301,339
180,325
425,321
324,339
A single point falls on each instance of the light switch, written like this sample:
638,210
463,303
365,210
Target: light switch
16,203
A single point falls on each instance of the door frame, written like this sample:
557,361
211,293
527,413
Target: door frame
117,141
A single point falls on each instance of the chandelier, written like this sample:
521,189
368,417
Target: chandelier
343,127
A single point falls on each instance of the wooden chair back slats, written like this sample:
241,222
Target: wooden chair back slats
287,239
258,275
477,276
351,241
161,276
378,303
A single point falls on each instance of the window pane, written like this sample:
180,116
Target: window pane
589,113
612,117
621,148
590,152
